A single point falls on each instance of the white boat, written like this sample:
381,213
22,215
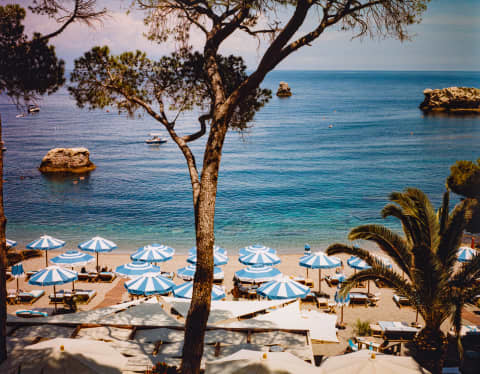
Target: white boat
33,109
155,139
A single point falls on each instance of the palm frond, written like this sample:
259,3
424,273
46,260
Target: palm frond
442,214
452,236
467,275
389,242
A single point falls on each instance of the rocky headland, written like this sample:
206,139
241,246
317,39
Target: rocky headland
67,160
452,99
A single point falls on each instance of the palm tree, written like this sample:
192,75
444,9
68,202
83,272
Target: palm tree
426,254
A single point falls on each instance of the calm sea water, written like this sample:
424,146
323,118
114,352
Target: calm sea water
291,179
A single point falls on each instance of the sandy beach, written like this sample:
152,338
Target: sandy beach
113,293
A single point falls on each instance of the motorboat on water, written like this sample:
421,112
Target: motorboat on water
33,109
155,139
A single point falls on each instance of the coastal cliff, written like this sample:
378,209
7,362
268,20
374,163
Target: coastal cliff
452,99
67,160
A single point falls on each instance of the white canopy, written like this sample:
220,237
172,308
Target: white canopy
224,310
251,362
321,325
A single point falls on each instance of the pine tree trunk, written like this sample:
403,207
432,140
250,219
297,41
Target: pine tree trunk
198,313
3,264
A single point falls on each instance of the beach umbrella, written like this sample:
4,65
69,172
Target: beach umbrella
153,253
218,259
149,285
137,269
10,243
97,245
53,276
247,361
341,301
319,260
255,248
257,274
185,290
366,361
260,258
465,254
72,259
358,264
283,288
18,272
64,355
216,249
46,243
188,272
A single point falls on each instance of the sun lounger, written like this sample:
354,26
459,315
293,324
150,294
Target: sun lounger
168,274
29,273
401,300
106,276
82,277
30,297
310,297
57,297
358,298
30,313
352,347
397,330
84,296
92,276
12,296
376,330
8,275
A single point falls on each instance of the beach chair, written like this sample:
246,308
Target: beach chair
310,297
84,296
106,276
12,297
57,297
168,274
92,276
29,273
30,297
376,330
401,300
82,277
9,276
352,347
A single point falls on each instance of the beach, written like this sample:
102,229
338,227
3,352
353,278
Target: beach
114,293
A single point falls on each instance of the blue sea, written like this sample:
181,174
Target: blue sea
311,167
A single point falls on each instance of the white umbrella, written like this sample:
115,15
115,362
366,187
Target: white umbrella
61,355
97,244
251,362
319,260
367,362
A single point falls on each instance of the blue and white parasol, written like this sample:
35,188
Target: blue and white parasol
188,272
216,249
72,258
53,276
357,263
257,274
137,269
284,288
185,290
97,245
319,260
341,301
149,285
260,258
11,243
153,253
255,248
46,243
18,272
466,254
218,259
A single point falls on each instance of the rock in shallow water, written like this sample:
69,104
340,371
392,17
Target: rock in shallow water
452,99
284,90
67,160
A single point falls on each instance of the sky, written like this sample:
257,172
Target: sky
448,38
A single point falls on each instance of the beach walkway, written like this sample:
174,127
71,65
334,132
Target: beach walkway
114,295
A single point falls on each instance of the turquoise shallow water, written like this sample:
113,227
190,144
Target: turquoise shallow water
291,179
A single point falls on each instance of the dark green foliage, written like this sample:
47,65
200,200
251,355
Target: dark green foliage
464,178
177,82
426,255
27,67
362,328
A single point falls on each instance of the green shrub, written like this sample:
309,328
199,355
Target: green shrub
362,328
